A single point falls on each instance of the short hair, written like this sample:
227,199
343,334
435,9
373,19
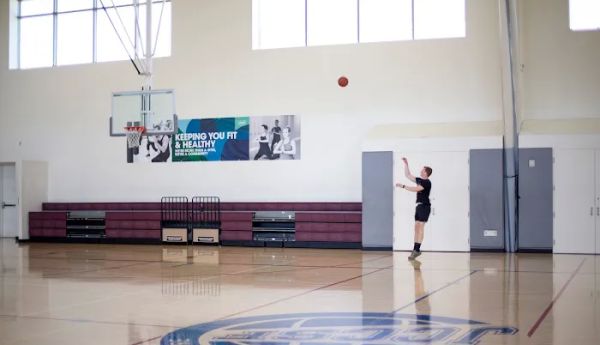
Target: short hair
428,171
265,127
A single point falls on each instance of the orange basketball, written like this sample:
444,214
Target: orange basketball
342,81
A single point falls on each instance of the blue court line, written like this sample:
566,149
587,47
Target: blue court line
434,291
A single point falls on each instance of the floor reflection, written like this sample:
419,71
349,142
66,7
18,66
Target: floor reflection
124,294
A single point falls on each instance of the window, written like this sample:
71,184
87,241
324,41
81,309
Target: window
584,15
74,38
298,23
279,24
439,19
385,20
65,32
331,22
36,42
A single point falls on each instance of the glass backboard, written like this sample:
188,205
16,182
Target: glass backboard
154,110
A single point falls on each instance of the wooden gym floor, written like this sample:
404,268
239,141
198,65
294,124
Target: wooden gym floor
135,294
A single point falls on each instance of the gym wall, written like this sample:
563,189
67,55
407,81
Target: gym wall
60,115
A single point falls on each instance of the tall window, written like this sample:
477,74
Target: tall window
298,23
66,32
584,15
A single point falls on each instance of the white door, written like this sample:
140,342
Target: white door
449,218
8,201
448,225
597,174
574,207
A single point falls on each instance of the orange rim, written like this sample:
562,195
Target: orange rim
139,129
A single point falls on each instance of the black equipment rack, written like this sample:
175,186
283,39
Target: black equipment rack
174,212
205,212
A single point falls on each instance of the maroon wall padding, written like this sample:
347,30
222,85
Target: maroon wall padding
292,206
236,216
225,206
236,235
42,232
139,215
329,237
315,221
237,226
328,227
329,217
140,224
133,233
101,206
47,224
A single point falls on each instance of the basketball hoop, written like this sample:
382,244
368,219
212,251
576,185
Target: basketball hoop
134,133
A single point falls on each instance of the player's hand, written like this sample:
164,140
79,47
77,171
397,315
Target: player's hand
405,160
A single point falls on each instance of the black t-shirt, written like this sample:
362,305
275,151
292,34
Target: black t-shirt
276,132
423,196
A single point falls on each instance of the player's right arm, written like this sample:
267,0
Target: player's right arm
407,170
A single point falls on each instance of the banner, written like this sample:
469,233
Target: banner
222,139
275,137
225,139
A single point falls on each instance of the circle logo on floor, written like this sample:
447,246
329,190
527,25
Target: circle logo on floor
337,328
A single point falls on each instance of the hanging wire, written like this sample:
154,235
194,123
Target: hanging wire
120,38
137,31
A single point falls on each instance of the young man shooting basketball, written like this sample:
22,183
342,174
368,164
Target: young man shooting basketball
423,189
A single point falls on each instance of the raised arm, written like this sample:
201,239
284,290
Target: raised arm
415,189
407,171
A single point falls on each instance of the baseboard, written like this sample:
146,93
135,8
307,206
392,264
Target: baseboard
534,250
323,245
93,240
487,250
242,243
386,249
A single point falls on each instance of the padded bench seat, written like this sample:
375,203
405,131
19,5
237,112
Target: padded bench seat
316,222
47,224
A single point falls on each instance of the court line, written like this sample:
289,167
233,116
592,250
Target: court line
291,265
83,321
301,294
284,299
59,274
434,291
363,261
147,340
223,263
551,305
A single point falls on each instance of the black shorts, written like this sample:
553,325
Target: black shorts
422,213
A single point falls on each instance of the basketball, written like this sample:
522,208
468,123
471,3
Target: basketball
342,81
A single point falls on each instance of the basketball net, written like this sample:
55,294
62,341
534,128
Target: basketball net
134,133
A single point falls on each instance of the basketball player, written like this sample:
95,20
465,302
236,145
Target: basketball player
423,188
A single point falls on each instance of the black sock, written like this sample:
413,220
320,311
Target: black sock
417,247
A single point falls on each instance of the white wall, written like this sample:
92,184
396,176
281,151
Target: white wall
561,77
60,115
215,73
